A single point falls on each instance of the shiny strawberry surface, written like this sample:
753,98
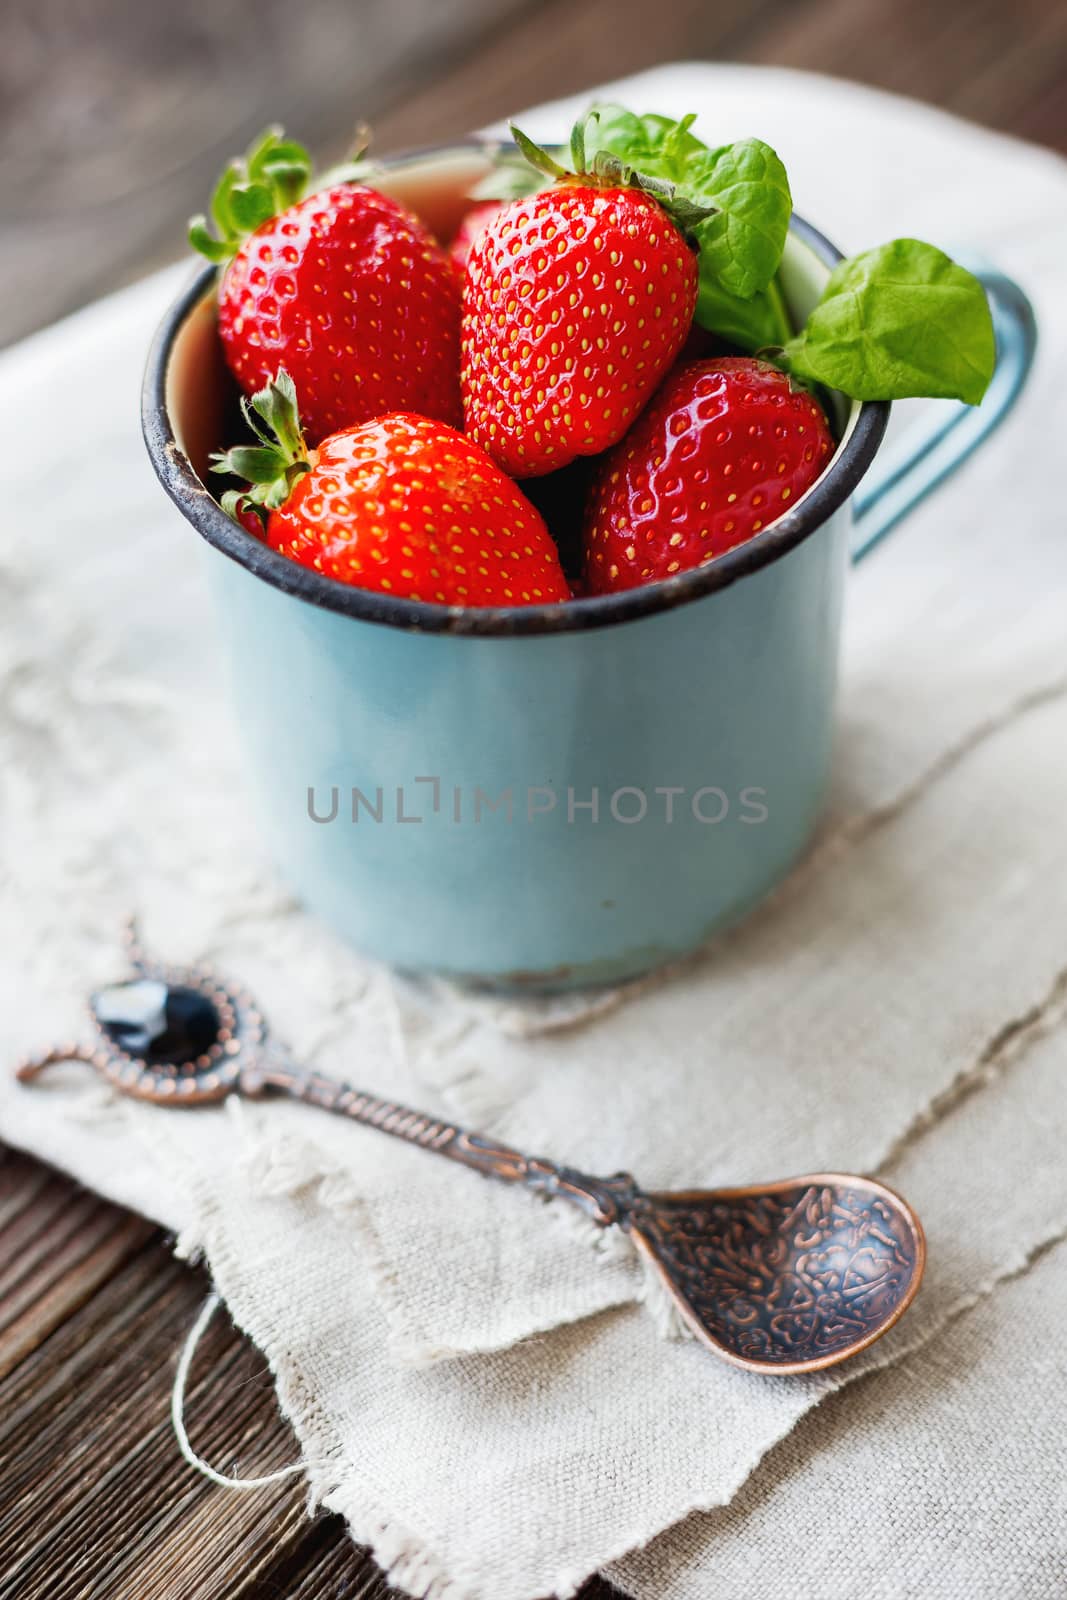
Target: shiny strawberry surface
725,448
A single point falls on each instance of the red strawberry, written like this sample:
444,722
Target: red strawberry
346,289
576,301
403,504
725,447
471,228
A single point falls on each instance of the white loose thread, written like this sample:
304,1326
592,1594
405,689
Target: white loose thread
177,1412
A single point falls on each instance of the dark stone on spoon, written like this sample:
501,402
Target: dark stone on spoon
163,1024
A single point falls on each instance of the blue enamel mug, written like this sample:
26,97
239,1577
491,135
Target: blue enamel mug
547,797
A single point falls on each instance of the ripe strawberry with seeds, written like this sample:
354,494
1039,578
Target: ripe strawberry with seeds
402,504
576,301
724,449
346,288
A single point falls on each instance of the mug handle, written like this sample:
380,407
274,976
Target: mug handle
943,437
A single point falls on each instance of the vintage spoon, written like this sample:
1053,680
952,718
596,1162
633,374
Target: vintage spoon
778,1277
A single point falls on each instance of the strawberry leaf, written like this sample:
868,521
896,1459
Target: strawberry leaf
254,462
610,171
250,205
903,319
236,501
655,145
220,199
538,157
271,177
280,458
276,403
204,242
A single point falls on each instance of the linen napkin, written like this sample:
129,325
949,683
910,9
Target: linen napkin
943,1477
896,970
512,1474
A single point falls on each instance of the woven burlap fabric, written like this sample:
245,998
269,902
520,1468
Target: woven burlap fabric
918,951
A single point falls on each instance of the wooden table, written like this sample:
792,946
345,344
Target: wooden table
115,117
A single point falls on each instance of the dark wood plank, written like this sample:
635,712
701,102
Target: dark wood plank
94,1497
559,48
115,117
57,1244
978,58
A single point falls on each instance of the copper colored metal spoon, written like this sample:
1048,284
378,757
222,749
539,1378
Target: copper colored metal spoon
780,1277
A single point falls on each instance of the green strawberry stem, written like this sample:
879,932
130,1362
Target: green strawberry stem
272,177
780,313
272,466
607,171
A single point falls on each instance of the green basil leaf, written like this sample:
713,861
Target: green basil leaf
742,244
901,320
759,323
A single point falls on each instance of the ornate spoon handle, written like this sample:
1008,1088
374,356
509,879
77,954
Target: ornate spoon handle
180,1036
604,1200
